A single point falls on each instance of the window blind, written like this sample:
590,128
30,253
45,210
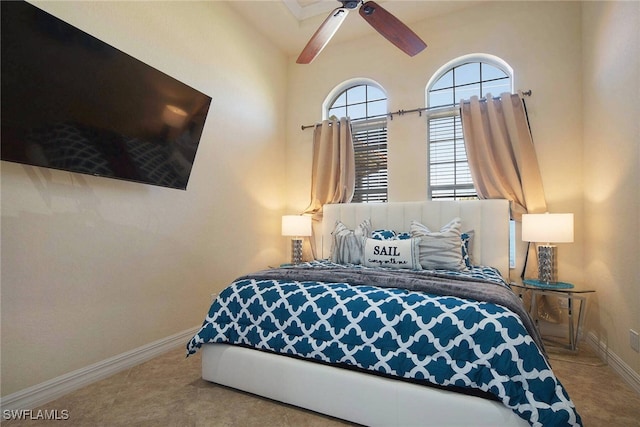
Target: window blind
449,174
370,147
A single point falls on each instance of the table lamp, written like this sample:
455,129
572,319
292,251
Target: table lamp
545,229
296,226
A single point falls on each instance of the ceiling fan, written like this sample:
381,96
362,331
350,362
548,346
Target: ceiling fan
381,20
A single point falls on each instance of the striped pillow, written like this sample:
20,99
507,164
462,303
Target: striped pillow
440,249
348,245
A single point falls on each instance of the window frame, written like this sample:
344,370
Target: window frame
465,190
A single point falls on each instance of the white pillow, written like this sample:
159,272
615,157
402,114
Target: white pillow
348,245
440,249
392,253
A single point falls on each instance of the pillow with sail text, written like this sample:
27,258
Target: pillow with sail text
395,253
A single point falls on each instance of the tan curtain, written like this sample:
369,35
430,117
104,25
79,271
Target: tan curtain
504,165
333,168
501,154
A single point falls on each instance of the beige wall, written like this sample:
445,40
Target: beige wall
93,267
611,85
551,48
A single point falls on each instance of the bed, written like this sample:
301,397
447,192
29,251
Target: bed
391,326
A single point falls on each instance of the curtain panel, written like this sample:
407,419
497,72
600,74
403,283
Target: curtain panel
333,168
504,165
501,155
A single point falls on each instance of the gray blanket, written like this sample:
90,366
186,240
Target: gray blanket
423,281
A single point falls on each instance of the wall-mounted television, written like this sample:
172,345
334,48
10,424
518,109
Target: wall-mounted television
75,103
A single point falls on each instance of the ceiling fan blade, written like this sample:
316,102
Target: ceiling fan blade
392,28
322,35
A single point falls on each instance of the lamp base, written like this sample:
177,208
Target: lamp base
296,251
548,263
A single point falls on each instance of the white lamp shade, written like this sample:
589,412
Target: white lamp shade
547,228
296,225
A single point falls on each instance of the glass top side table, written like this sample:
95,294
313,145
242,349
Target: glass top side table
561,290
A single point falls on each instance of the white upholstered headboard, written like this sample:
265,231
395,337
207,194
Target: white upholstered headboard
488,218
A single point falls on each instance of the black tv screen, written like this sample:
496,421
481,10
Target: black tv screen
75,103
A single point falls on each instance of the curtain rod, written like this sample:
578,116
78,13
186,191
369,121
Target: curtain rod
415,110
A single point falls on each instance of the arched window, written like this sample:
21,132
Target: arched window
365,103
449,176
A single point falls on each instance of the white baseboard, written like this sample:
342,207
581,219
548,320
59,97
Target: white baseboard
45,392
630,376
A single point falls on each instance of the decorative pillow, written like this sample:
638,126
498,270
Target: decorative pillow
383,234
440,249
467,244
389,235
394,253
348,245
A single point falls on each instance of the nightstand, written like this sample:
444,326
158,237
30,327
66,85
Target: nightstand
562,290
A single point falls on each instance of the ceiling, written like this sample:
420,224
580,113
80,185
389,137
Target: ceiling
289,24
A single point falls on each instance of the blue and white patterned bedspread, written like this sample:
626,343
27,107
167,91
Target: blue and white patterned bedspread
441,339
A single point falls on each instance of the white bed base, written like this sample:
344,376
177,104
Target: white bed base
359,397
365,399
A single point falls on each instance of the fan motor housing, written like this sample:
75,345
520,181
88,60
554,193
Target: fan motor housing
350,4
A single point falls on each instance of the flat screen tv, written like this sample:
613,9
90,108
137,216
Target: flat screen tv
75,103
